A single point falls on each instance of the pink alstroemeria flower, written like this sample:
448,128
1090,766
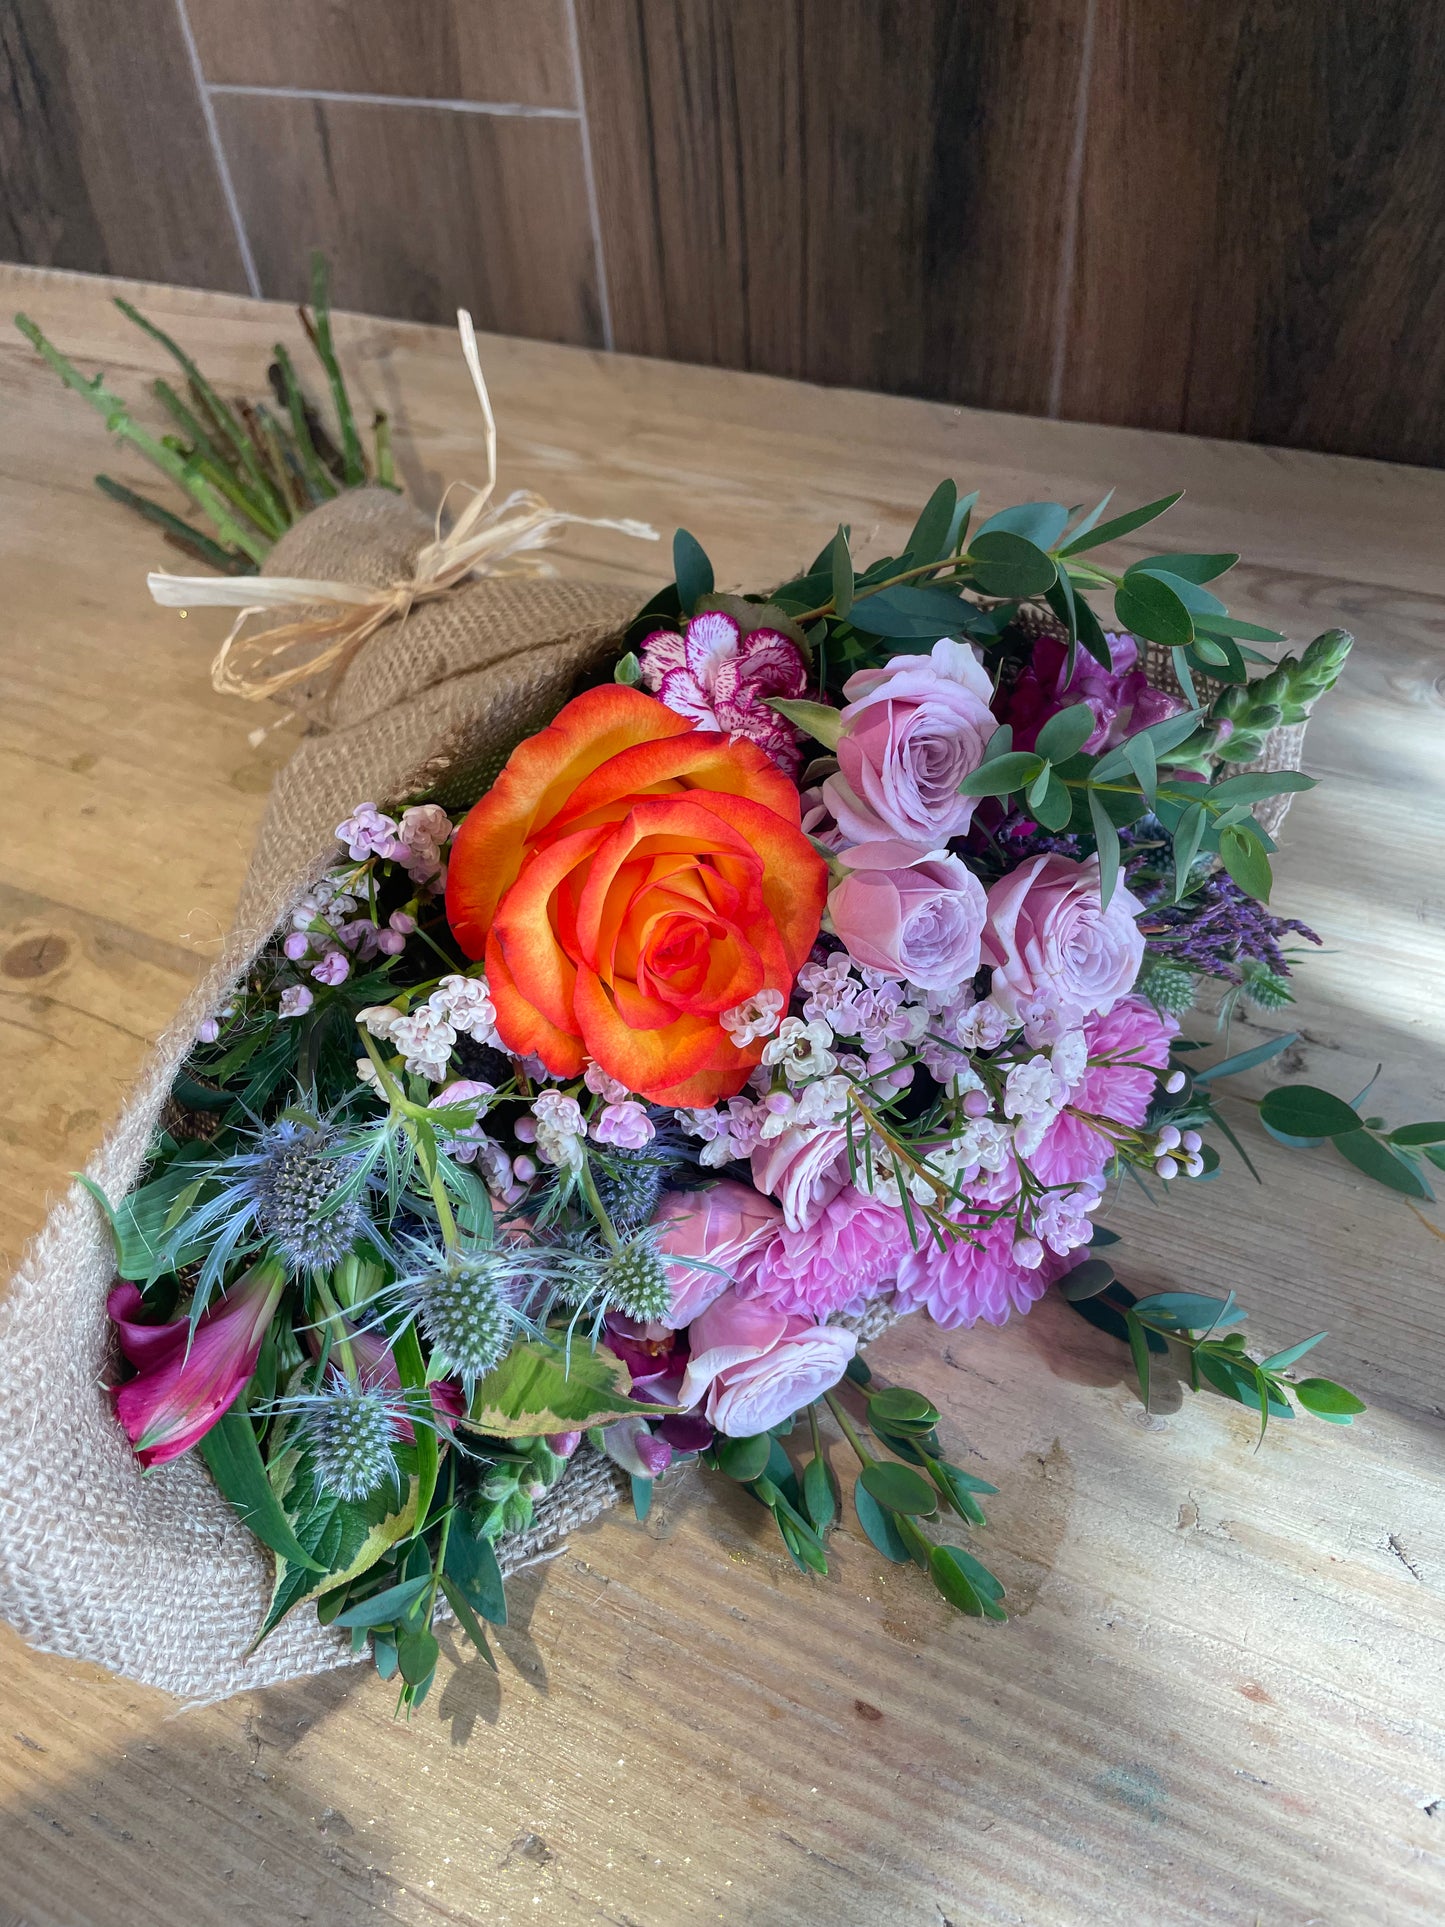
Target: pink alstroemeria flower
185,1381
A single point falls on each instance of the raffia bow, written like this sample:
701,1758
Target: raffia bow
331,620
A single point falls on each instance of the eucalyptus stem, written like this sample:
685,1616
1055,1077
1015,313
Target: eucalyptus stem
865,1458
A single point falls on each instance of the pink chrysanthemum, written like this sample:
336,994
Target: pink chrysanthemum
848,1254
720,679
1128,1047
979,1280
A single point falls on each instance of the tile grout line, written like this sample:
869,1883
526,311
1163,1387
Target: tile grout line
218,152
1073,199
514,109
604,300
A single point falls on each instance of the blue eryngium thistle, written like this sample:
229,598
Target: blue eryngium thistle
294,1177
630,1278
351,1430
466,1303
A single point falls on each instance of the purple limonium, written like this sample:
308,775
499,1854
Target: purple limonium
1219,927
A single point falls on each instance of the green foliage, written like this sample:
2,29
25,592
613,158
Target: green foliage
249,475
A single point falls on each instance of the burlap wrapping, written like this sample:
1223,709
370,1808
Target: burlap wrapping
152,1575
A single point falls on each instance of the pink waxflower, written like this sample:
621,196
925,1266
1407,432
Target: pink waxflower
847,1255
1047,935
804,1168
295,1001
1121,698
368,832
985,1276
333,968
186,1380
752,1367
711,1238
1128,1047
911,732
626,1125
721,679
916,915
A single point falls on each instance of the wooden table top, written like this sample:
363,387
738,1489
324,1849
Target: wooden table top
1221,1694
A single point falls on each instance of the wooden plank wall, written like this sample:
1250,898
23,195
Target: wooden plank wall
1226,219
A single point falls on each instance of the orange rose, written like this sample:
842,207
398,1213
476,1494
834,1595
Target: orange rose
628,878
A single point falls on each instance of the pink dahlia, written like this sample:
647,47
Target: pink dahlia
848,1254
979,1280
721,679
1128,1047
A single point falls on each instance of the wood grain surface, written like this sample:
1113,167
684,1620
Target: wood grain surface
1220,1698
1258,226
476,50
421,210
104,158
858,194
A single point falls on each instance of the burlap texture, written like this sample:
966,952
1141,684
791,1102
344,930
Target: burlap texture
152,1575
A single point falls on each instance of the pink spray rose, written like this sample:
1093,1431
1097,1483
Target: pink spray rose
911,732
917,916
973,1281
711,1238
1048,936
1128,1046
1121,699
848,1254
752,1367
804,1168
185,1381
721,679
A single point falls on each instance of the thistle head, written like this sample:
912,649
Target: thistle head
630,1183
351,1430
295,1175
466,1305
632,1279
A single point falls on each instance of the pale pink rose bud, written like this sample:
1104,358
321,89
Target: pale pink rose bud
1048,932
1028,1252
709,1239
912,731
751,1366
915,915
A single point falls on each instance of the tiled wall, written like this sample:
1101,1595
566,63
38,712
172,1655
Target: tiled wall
1225,219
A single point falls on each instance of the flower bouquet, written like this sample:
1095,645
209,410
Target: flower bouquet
629,1016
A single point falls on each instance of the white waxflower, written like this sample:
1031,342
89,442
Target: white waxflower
983,1027
560,1129
466,1004
801,1048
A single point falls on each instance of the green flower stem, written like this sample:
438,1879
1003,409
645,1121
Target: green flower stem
336,1325
589,1191
318,479
813,1429
233,430
118,420
846,1426
410,1115
444,1534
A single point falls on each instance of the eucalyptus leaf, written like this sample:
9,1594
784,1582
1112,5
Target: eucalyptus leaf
1303,1110
692,570
1326,1399
1041,523
1381,1162
1003,775
1244,856
929,541
879,1527
819,720
1066,732
1010,566
744,1459
1147,607
1106,839
1125,524
899,1488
